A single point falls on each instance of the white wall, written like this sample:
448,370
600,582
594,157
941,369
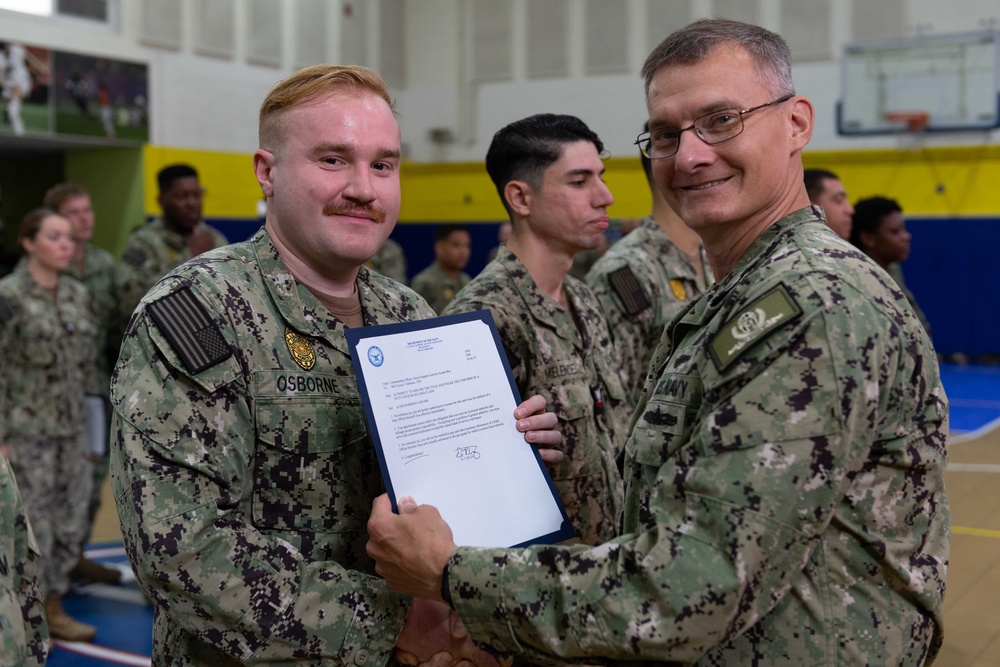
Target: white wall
211,103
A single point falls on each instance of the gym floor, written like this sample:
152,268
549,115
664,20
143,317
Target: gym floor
972,630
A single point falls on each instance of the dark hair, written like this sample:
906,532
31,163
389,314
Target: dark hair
523,150
59,194
814,178
32,222
869,214
444,231
697,41
165,177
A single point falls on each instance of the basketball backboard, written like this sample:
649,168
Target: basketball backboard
951,78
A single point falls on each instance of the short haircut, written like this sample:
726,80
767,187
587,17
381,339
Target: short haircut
32,222
868,216
59,194
165,177
697,41
814,180
309,84
523,150
444,231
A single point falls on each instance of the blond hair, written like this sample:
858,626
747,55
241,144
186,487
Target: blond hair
309,84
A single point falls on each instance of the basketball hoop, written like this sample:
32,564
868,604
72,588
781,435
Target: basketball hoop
911,126
915,121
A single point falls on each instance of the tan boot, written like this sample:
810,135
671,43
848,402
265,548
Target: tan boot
62,626
91,571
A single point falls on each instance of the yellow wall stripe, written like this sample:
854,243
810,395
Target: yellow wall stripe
975,532
931,182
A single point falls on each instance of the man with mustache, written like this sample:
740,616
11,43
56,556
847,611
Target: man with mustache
241,464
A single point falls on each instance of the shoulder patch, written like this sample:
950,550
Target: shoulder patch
6,311
754,322
194,336
624,283
133,256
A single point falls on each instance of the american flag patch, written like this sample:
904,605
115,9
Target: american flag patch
194,336
628,289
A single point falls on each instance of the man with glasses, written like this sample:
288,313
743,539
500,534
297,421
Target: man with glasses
155,249
785,499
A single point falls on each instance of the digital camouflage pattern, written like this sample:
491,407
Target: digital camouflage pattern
48,346
667,282
437,287
785,498
100,275
244,489
23,630
389,261
151,252
567,358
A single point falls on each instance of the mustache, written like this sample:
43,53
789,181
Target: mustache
375,214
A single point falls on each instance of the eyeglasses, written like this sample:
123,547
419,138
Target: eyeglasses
712,128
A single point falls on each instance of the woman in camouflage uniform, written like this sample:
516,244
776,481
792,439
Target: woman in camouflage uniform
48,345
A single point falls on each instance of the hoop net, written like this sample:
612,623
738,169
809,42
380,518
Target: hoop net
911,126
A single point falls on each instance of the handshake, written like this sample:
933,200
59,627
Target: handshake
433,636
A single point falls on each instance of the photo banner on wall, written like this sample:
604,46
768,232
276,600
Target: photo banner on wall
100,97
25,77
46,92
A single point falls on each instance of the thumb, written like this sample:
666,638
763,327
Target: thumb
407,505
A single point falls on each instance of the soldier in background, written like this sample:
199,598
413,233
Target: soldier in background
390,261
48,343
785,498
441,281
179,234
503,234
240,462
24,633
645,279
96,268
826,191
548,171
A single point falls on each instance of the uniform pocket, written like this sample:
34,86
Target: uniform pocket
315,467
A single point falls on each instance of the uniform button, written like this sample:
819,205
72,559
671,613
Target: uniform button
361,657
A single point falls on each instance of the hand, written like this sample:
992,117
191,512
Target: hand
539,428
411,548
433,636
200,240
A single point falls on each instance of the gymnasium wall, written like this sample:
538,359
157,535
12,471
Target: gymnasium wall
948,194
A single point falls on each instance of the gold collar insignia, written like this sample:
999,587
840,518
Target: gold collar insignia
300,348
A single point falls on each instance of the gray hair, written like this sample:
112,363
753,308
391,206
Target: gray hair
697,41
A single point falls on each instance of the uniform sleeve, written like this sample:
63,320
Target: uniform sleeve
627,330
734,503
182,460
133,278
6,321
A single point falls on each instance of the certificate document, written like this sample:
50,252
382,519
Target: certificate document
439,399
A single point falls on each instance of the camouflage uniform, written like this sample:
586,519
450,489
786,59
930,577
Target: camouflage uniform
566,357
437,287
23,631
243,470
785,496
48,347
896,272
100,275
389,261
642,282
152,251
